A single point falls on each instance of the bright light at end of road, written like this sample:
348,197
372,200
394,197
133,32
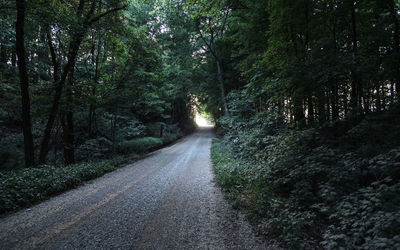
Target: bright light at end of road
201,122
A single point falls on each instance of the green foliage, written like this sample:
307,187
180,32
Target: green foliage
24,187
368,217
93,149
129,71
11,153
139,145
333,187
171,133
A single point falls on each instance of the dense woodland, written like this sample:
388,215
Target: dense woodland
82,78
304,95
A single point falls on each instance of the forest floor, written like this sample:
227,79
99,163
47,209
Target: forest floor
168,200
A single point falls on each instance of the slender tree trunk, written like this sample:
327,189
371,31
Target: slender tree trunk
310,108
396,44
222,87
13,58
335,102
307,17
383,92
378,100
24,83
3,54
328,108
335,85
76,40
298,112
69,148
346,100
73,51
321,108
92,107
357,89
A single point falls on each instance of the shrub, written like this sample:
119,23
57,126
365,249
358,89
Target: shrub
11,151
93,148
139,145
335,187
169,138
24,187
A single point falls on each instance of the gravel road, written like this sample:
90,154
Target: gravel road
165,201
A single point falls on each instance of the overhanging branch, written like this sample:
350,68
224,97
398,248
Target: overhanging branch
97,18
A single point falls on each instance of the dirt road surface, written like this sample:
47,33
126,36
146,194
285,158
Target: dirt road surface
165,201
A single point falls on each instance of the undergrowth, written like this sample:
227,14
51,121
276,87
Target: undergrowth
139,145
24,187
335,187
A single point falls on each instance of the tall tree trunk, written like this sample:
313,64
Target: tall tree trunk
310,108
222,87
357,89
24,83
298,111
346,100
321,108
3,54
396,44
69,148
307,17
13,57
73,51
378,100
95,63
335,102
335,84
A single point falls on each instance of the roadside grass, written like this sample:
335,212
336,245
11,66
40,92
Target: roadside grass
24,187
238,179
227,169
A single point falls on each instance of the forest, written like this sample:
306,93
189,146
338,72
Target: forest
304,95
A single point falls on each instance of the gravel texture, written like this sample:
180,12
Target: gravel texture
165,201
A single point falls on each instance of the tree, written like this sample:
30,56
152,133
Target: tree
211,21
85,16
24,83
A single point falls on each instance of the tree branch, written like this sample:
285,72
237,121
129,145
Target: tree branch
97,18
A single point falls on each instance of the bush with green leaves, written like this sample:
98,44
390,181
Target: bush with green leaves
11,151
335,187
139,145
171,133
24,187
93,149
169,138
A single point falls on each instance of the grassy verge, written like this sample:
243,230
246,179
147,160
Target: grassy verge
24,187
145,144
230,172
240,180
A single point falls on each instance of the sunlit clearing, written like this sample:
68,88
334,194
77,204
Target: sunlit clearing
202,122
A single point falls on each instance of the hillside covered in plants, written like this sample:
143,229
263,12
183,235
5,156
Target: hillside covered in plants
309,137
304,95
